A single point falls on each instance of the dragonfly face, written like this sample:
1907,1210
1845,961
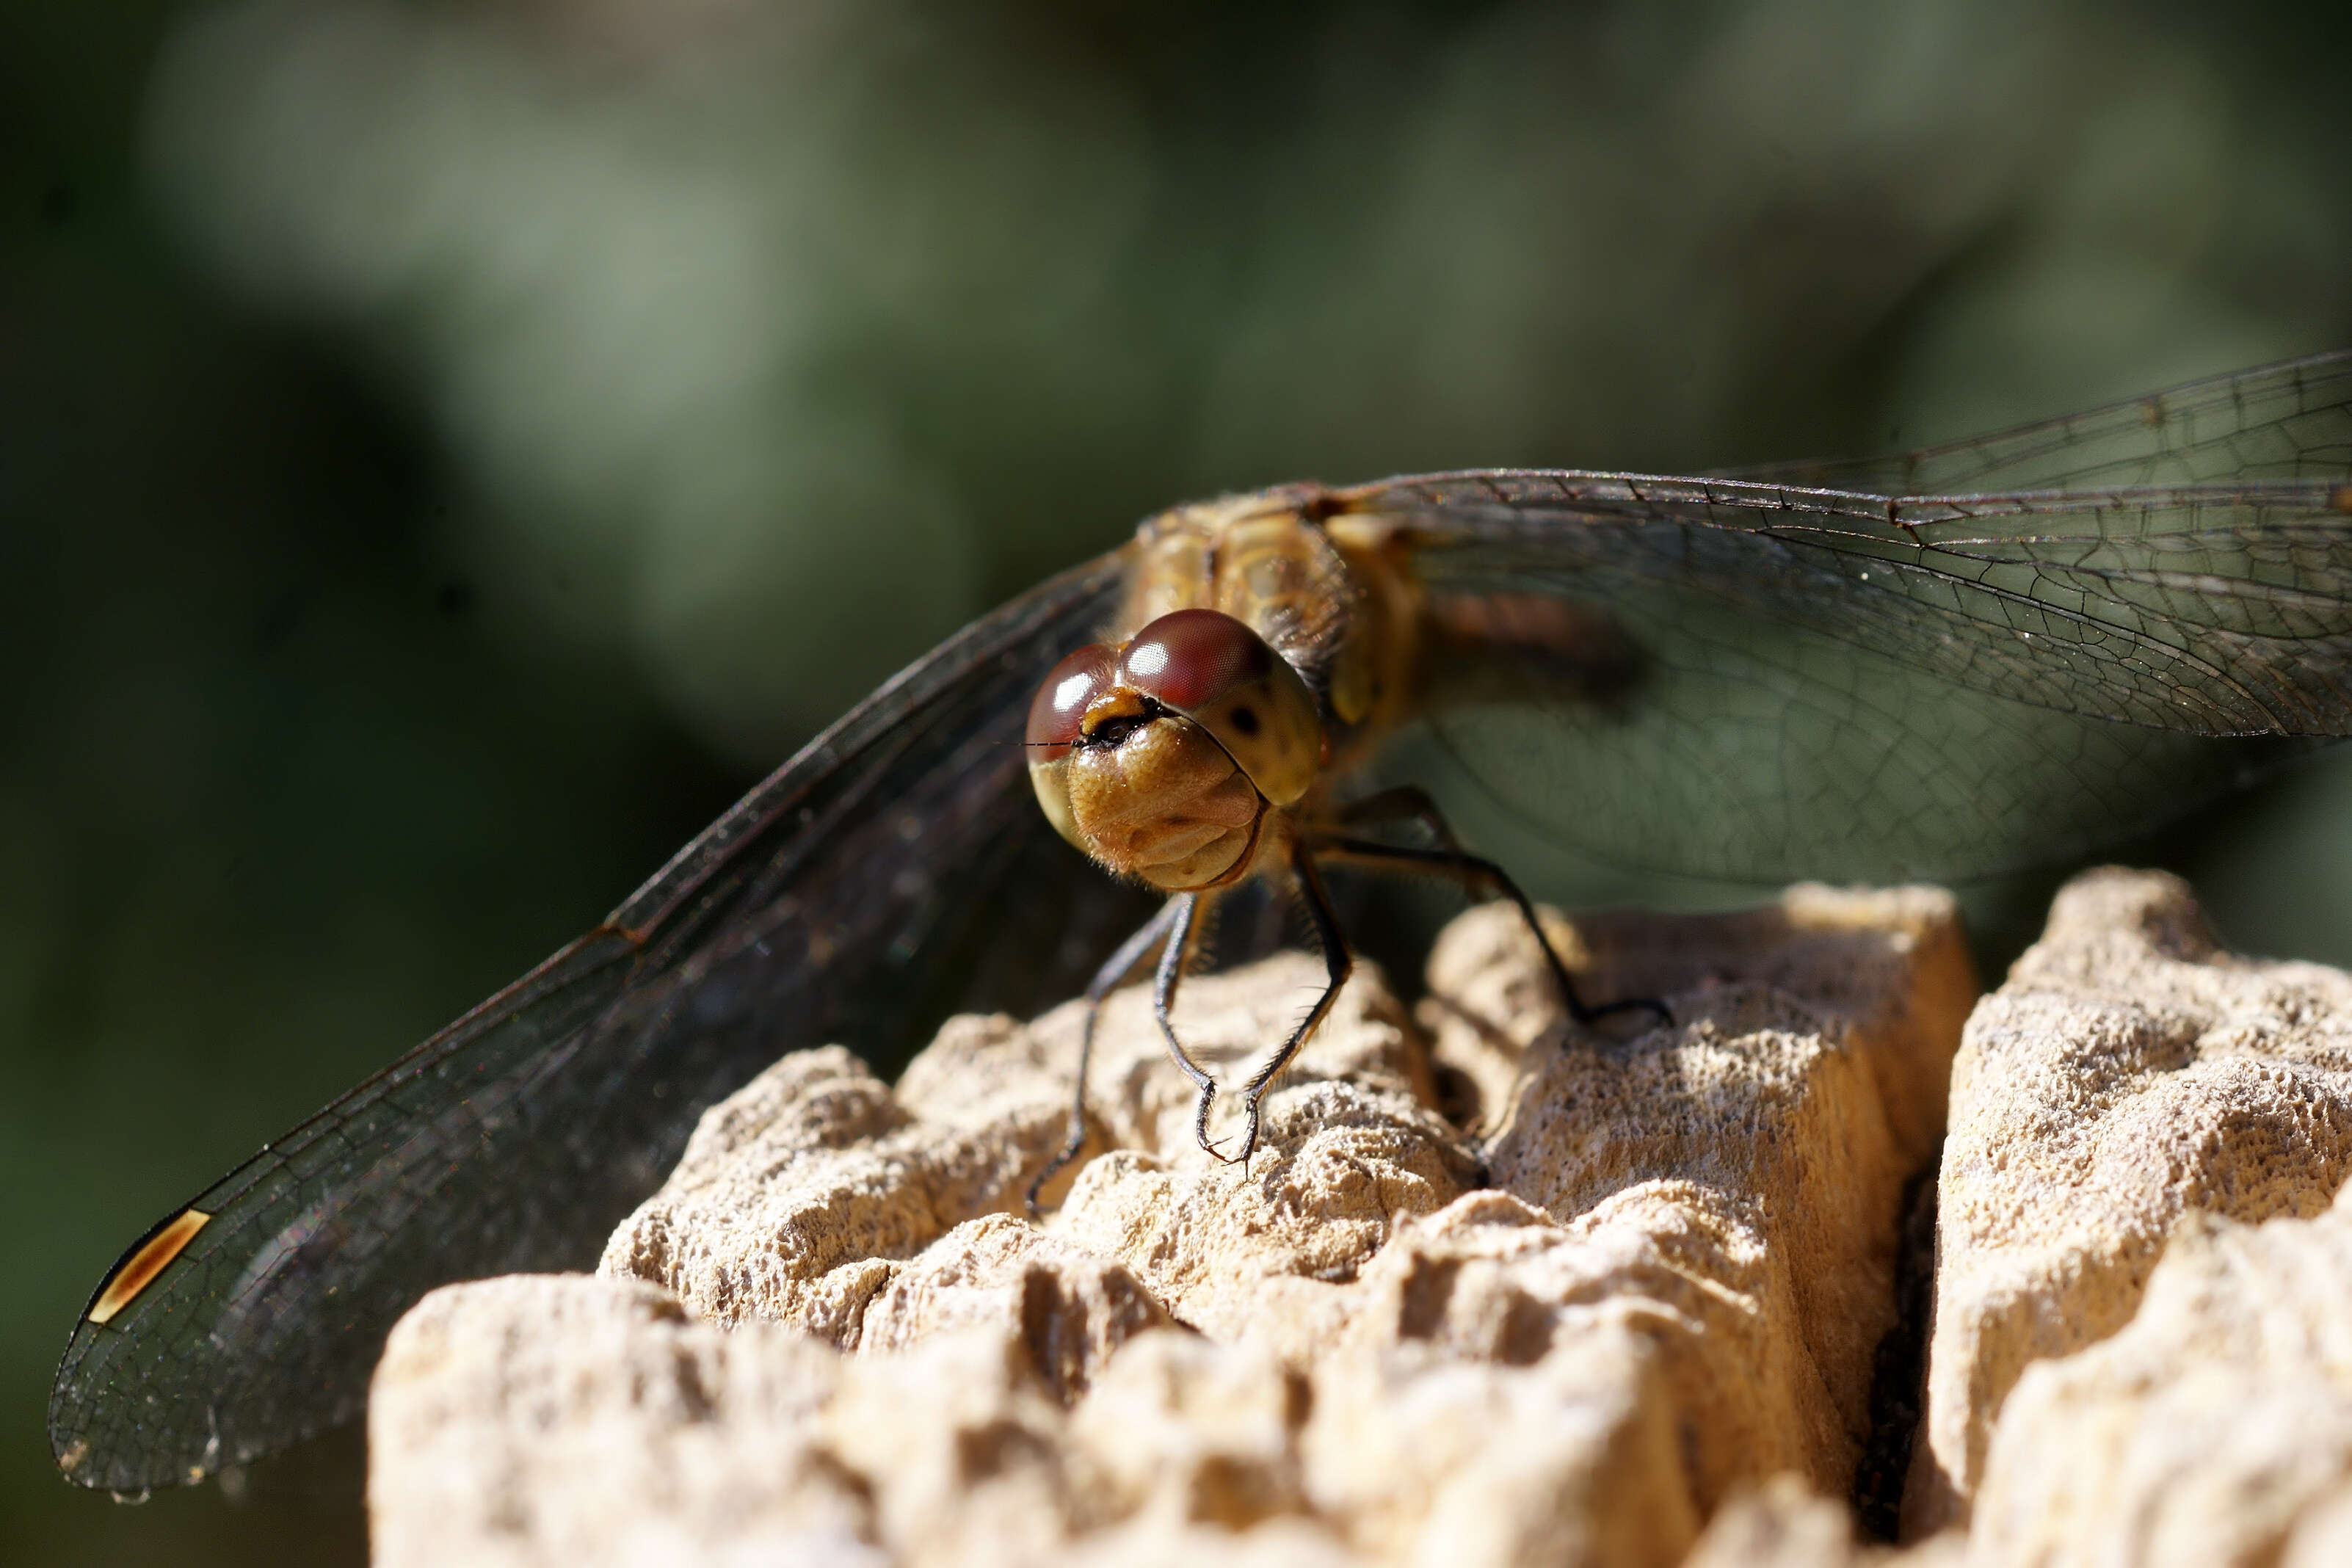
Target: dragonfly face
1162,758
2001,652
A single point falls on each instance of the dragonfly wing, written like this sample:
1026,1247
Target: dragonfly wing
1752,751
2287,421
895,869
1827,683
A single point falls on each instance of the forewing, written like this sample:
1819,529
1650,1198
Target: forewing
2287,421
1831,684
893,868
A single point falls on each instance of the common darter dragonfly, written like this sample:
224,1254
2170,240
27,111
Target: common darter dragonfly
1995,653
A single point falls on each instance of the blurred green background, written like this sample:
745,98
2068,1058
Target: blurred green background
446,452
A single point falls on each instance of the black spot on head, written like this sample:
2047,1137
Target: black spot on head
453,599
1113,732
1245,720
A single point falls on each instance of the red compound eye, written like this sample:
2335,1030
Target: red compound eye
1061,703
1222,675
1189,658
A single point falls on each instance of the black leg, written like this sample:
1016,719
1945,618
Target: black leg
1108,979
1402,803
1472,869
1338,963
1173,960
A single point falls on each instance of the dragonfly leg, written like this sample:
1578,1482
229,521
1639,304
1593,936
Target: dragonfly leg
1474,870
1173,960
1108,979
1338,963
1402,803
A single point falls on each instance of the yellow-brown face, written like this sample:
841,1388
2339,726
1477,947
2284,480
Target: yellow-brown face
1161,758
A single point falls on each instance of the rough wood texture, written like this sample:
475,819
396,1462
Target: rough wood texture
558,1418
1783,1525
2215,1431
1640,1276
2128,1078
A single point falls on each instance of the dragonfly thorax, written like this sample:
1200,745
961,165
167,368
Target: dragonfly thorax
1162,757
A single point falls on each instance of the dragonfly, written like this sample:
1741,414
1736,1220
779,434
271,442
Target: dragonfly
1996,653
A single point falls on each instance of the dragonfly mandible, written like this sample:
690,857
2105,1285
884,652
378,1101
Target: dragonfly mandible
1998,652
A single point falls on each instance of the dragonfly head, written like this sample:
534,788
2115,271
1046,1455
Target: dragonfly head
1159,757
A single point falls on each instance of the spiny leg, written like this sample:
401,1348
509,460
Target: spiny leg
1467,868
1338,963
1173,960
1108,979
1400,803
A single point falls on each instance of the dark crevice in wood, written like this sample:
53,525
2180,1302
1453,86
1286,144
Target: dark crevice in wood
1898,1377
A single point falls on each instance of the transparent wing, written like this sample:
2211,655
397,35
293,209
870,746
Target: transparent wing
893,870
1825,683
2287,421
